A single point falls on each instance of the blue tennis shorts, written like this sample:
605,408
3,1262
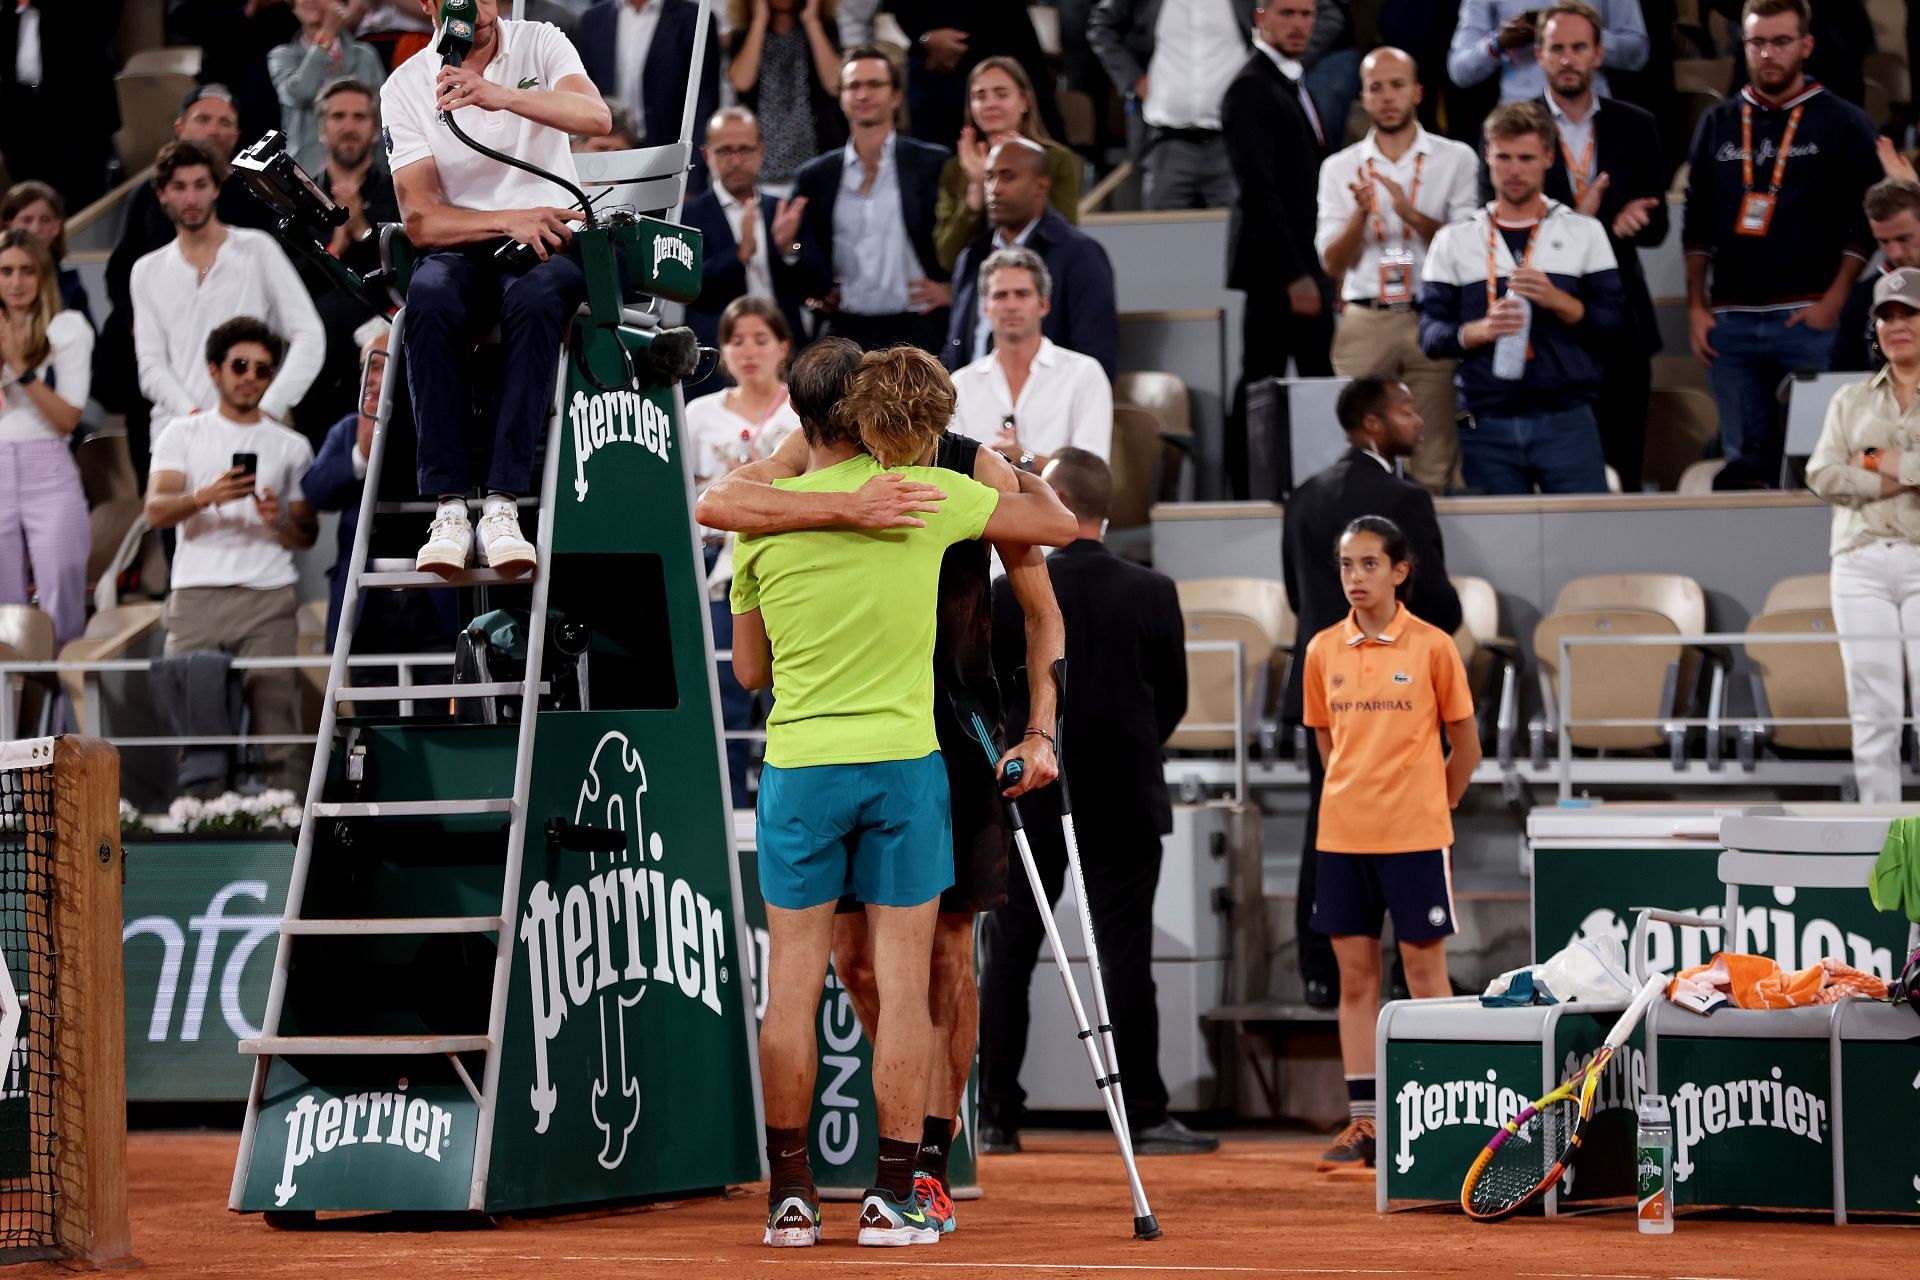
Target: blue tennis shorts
1355,892
881,831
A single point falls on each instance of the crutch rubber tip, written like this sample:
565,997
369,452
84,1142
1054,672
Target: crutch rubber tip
1145,1228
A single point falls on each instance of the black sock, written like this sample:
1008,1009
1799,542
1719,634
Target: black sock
787,1167
895,1172
1360,1097
936,1141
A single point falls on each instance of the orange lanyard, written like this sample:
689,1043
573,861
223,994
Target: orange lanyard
1580,171
1779,161
1413,195
1493,262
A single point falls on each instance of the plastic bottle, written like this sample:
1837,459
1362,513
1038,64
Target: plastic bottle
1654,1165
1510,349
745,452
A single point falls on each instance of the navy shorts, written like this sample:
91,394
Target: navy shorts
1355,892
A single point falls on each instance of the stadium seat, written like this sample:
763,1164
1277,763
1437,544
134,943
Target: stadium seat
1796,681
1681,422
1487,653
113,495
26,635
1254,612
1697,480
1680,370
178,60
1642,682
1146,460
149,101
111,633
1046,28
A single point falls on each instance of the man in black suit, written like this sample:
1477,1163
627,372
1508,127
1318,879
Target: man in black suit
733,218
654,85
1083,316
1381,423
1128,689
875,198
1610,168
56,93
1276,143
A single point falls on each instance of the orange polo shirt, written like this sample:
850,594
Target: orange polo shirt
1385,699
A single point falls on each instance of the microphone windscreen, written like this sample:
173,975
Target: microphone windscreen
674,353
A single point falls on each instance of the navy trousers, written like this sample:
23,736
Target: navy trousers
455,297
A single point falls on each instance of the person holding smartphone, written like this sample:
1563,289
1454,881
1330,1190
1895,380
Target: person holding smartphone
230,481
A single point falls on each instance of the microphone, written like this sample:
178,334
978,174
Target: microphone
456,36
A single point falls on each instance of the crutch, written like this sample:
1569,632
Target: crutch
1106,1077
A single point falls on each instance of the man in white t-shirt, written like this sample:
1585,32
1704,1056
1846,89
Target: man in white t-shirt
230,480
1028,398
522,92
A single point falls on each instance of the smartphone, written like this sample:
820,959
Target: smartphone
249,463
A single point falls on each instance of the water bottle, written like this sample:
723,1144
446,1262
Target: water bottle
1510,349
1654,1163
744,454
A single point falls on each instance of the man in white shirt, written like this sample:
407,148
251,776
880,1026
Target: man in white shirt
230,479
1381,201
521,91
208,275
1027,398
1172,60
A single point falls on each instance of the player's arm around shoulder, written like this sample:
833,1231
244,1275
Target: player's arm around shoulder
747,500
1032,514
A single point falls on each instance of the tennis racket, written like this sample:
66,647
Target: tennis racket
1529,1152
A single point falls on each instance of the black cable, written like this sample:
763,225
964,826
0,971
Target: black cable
579,196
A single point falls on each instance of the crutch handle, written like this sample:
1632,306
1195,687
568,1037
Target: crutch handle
1010,774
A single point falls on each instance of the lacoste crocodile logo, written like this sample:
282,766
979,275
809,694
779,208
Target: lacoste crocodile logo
529,82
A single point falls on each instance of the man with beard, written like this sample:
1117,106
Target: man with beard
210,274
1774,213
1382,201
733,217
1611,170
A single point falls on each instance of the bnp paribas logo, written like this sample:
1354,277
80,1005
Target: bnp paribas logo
610,418
595,947
317,1125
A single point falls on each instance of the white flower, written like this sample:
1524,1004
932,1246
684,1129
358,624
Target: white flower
290,816
226,806
185,811
275,798
127,812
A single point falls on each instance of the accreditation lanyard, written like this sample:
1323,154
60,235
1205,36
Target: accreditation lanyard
1493,261
1581,170
1756,207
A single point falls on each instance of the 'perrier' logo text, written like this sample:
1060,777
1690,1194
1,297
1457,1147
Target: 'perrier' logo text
614,417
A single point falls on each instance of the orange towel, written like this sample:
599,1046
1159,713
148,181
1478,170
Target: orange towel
1756,982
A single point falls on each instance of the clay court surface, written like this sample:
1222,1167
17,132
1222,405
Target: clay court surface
1055,1212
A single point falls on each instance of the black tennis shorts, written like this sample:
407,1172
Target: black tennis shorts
1355,892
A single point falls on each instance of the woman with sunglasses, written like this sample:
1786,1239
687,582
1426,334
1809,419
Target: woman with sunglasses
46,368
1000,105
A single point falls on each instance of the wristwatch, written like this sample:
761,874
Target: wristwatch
28,378
1026,460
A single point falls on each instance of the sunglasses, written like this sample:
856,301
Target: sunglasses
240,365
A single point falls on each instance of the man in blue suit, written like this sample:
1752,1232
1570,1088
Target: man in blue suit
1083,317
733,219
638,53
860,225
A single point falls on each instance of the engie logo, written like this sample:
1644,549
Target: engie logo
614,417
315,1128
208,928
586,942
1763,1102
1774,931
671,248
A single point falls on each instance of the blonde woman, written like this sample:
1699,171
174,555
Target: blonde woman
1867,464
1000,105
46,368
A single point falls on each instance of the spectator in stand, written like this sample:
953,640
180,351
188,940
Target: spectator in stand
1611,169
999,106
638,53
233,572
860,224
1843,36
235,38
1539,428
1276,143
1499,35
209,275
728,430
36,208
1168,61
57,98
1774,213
733,218
1029,399
942,54
46,362
784,63
1865,465
322,54
353,174
1382,424
207,116
1082,316
1382,201
622,137
1893,215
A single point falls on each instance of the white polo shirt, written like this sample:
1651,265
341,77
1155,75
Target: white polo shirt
531,55
1449,182
1067,400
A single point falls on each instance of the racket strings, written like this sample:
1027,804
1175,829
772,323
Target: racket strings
1526,1160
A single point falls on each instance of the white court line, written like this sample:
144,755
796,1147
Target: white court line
1124,1267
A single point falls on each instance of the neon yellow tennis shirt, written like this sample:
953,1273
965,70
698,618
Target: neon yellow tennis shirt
850,616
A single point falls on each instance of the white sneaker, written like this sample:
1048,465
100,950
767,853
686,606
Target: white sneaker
501,543
448,540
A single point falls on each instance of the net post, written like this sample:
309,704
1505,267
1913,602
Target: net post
89,1031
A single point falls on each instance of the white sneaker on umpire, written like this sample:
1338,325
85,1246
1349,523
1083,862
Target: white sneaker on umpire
500,541
448,540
